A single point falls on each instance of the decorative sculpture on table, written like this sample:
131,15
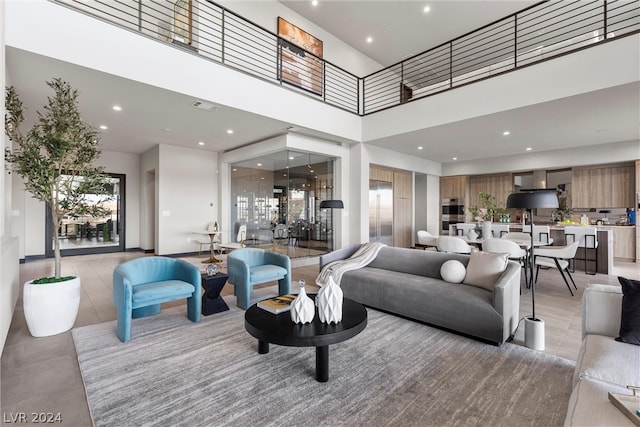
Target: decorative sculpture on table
329,302
302,308
212,270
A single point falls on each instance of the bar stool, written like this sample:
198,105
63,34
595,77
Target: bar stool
587,238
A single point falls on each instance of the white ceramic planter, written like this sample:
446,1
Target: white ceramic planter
51,308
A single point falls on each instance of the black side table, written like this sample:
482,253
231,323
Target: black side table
212,302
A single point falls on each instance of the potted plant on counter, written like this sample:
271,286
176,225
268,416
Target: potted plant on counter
55,159
485,211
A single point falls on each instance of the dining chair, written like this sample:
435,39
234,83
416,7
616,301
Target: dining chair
556,256
541,233
453,244
426,239
240,238
517,235
280,234
499,230
587,238
463,228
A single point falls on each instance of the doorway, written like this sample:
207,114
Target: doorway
89,235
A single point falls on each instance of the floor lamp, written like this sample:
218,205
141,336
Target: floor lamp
533,326
331,204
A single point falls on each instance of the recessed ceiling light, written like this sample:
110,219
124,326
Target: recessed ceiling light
259,164
229,131
529,148
312,171
234,169
506,132
420,148
427,9
454,158
291,157
103,127
117,108
200,143
369,39
314,3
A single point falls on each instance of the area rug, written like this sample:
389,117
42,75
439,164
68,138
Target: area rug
395,373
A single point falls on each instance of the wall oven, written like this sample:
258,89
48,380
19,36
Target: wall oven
451,212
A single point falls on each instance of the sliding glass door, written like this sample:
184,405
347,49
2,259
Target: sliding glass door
89,235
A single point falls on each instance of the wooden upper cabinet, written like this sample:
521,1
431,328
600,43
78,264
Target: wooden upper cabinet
499,186
580,188
402,185
603,186
453,187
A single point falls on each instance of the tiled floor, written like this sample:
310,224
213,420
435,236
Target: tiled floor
42,375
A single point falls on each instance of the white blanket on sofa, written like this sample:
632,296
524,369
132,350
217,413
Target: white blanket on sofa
362,257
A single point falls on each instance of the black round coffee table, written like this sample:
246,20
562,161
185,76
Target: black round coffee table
279,329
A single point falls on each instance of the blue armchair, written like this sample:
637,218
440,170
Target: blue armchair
252,266
141,285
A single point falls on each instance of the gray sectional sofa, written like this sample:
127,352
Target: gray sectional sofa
407,282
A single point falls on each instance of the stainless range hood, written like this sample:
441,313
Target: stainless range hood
535,182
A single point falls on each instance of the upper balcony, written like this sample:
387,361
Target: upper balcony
541,32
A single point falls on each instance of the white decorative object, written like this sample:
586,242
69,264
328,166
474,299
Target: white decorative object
329,302
302,308
472,235
51,308
486,230
212,270
453,271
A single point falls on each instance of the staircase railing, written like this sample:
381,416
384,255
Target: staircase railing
543,31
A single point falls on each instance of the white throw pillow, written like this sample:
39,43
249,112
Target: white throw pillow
452,271
485,268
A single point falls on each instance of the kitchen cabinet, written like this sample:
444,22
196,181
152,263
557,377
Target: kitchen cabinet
453,187
499,186
624,242
609,186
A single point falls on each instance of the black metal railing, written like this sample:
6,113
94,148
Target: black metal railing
543,31
535,34
220,35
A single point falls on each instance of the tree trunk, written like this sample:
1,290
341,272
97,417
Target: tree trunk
55,221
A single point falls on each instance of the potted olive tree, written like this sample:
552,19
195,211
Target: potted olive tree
55,159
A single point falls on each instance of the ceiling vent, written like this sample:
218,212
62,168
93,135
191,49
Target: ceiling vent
202,105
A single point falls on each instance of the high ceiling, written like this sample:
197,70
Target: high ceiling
399,29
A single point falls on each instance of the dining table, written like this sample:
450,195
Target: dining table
212,237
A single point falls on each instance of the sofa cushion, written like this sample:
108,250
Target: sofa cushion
630,322
453,271
266,273
589,405
606,359
485,268
165,290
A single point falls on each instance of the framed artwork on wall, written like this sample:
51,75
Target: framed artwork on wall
182,21
296,66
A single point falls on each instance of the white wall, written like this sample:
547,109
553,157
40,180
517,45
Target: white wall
149,167
265,13
9,256
117,51
187,185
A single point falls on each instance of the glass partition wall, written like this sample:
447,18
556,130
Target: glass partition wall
277,197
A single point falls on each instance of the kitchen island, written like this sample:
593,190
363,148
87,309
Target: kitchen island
606,248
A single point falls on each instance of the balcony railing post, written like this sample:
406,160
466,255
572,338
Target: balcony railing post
223,30
140,15
605,19
515,41
450,65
